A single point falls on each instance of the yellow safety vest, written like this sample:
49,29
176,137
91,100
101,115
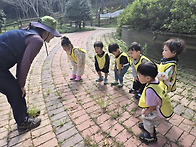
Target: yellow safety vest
163,67
72,55
139,62
166,107
101,60
118,60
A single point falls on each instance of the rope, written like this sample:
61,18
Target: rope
110,10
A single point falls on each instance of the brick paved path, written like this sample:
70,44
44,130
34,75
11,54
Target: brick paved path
72,113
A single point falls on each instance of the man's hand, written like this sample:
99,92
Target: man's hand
23,92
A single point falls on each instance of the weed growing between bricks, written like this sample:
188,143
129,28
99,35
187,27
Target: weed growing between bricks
95,101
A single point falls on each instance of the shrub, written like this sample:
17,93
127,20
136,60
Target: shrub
2,19
167,15
183,17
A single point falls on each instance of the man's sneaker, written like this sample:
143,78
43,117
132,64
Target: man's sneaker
99,79
105,81
120,85
141,126
132,91
138,96
114,83
146,138
28,124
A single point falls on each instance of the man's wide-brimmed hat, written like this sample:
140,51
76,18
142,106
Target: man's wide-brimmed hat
47,23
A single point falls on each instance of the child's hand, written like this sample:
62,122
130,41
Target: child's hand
114,68
118,73
149,110
146,112
136,79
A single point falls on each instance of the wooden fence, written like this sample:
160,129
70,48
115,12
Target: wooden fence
61,20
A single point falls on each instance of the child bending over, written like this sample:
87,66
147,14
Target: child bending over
137,58
76,56
102,62
122,63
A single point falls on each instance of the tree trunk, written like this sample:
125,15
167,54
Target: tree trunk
80,24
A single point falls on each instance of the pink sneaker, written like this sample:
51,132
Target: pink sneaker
78,78
72,77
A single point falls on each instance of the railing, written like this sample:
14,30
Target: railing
61,20
17,24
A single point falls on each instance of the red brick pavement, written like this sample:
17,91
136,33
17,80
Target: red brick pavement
71,111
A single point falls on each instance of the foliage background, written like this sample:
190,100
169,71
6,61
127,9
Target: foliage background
78,11
177,16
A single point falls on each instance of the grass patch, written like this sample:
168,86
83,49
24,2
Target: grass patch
33,112
89,142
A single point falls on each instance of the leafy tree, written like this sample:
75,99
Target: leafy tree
145,14
78,11
166,15
183,17
2,19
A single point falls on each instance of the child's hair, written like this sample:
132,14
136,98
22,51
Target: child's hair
65,41
113,47
175,45
134,47
98,44
148,69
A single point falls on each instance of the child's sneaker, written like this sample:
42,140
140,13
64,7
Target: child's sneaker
141,126
132,91
146,138
99,79
72,77
138,96
105,81
120,85
114,83
78,78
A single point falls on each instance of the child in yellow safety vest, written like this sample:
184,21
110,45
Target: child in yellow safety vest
168,68
102,62
77,57
154,100
122,64
137,58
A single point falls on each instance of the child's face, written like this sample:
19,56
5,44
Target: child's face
167,53
134,54
66,48
116,53
98,50
144,79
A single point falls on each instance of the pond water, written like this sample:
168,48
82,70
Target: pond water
154,44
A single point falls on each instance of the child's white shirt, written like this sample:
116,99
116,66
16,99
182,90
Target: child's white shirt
166,76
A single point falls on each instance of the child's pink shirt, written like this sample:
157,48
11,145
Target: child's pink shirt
152,99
